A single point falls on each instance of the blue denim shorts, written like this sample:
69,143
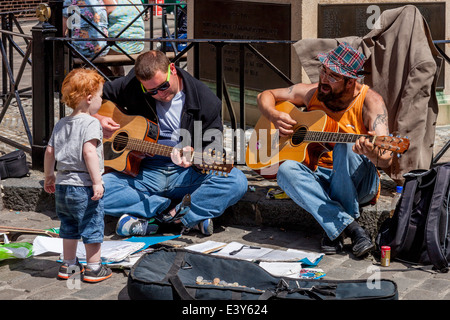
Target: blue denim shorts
80,216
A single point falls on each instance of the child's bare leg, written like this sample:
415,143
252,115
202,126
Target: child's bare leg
70,249
93,253
95,272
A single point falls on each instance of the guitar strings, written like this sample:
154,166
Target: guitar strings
325,136
142,145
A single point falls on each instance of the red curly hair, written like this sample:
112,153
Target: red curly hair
79,84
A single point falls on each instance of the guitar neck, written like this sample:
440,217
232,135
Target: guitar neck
148,147
157,149
334,137
204,161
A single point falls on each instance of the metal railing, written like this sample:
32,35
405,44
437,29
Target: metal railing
8,46
193,44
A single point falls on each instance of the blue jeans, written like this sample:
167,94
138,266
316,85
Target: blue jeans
80,216
332,197
154,188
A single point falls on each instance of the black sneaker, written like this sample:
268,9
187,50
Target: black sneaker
101,274
65,271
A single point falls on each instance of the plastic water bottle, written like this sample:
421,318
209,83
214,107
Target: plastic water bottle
397,195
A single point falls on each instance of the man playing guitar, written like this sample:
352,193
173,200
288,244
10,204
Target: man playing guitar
167,189
346,177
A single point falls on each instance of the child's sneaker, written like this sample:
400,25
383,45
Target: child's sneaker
100,274
65,271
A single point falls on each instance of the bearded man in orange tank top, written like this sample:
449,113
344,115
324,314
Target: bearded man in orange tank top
347,176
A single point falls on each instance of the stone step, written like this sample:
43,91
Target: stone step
254,209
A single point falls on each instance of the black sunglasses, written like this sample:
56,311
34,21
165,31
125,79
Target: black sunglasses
163,87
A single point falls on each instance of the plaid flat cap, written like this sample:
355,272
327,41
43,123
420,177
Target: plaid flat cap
344,60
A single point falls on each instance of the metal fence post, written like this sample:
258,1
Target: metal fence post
43,91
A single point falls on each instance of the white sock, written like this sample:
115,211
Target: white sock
70,262
94,266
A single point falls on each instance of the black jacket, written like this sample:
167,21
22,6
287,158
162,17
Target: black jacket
201,103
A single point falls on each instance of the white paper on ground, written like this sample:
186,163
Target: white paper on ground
269,255
282,269
112,251
245,253
206,247
45,244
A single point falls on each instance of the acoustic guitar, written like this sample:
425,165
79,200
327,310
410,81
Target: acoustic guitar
314,134
137,138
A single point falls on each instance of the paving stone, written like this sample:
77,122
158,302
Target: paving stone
420,294
10,294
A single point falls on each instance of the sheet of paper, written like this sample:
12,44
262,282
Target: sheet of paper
206,247
45,244
282,269
308,258
112,251
280,255
246,253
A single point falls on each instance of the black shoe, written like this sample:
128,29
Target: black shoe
361,241
328,246
183,208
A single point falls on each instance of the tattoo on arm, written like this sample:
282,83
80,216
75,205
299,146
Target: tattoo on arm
381,119
290,89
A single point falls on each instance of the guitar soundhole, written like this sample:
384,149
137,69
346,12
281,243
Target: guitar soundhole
299,135
120,142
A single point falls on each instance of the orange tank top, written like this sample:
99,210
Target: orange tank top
349,120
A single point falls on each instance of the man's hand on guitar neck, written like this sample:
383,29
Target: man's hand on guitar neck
379,157
184,159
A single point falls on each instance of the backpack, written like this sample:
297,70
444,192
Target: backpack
419,230
174,274
14,165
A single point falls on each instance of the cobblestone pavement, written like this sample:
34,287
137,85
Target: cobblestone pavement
34,278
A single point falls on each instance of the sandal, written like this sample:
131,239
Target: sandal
182,209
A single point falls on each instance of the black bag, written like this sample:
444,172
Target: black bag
172,274
13,165
419,230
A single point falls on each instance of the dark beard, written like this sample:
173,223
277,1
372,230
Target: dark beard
331,96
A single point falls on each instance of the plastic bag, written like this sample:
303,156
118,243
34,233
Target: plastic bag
19,250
